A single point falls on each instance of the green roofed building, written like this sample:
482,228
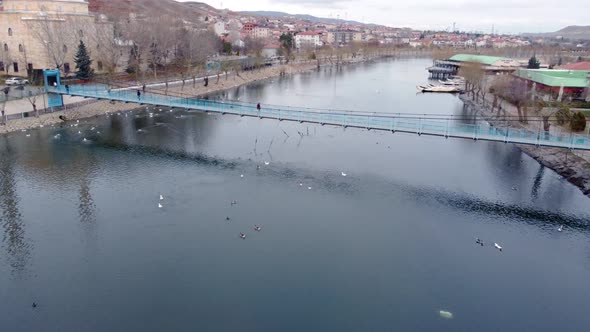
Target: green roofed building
486,60
572,81
491,65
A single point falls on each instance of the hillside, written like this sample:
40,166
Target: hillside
302,17
574,32
122,8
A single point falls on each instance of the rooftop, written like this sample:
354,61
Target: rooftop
556,78
483,59
577,66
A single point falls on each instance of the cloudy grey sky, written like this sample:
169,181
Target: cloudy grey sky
508,16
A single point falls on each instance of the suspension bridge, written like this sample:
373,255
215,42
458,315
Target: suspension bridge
445,127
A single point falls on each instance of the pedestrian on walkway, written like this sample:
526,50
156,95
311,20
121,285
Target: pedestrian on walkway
206,81
143,88
68,88
138,95
3,118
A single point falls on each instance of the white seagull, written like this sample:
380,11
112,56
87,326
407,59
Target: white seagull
344,174
267,163
242,176
161,197
560,228
308,188
498,246
160,205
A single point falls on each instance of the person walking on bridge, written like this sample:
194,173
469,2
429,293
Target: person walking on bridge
138,95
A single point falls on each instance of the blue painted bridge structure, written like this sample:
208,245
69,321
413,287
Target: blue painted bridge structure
432,126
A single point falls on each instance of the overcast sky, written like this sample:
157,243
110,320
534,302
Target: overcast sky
508,16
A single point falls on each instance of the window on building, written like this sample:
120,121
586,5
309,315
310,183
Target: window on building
99,65
10,32
21,48
5,47
67,67
65,48
15,67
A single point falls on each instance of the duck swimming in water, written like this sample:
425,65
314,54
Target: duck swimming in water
242,236
257,228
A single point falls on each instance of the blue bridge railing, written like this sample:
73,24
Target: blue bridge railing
443,127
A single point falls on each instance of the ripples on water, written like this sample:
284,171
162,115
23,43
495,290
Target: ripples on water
386,247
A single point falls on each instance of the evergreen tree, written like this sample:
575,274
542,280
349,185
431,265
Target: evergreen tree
134,62
84,69
534,63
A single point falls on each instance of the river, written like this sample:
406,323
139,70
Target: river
384,248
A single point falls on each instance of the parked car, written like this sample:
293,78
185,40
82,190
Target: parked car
17,81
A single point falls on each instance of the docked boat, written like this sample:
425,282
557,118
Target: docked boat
439,88
451,82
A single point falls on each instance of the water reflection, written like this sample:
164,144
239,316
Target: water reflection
14,239
537,182
86,206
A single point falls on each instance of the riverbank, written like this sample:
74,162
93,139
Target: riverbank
92,108
574,168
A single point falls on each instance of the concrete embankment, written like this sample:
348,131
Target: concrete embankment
572,167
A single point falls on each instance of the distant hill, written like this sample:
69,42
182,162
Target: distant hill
302,17
575,32
122,8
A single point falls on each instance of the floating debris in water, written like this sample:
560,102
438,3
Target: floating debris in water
445,314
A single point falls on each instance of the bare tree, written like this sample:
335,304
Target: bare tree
194,47
516,92
110,44
254,47
58,35
6,57
474,75
31,96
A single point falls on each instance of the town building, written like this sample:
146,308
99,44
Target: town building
261,32
43,34
560,82
308,39
343,37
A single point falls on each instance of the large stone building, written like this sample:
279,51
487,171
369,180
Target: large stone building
43,34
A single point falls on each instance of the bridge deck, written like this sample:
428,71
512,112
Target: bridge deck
371,121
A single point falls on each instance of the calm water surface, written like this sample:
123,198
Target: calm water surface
382,249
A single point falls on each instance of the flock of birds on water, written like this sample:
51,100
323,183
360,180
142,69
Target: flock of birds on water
242,235
235,202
